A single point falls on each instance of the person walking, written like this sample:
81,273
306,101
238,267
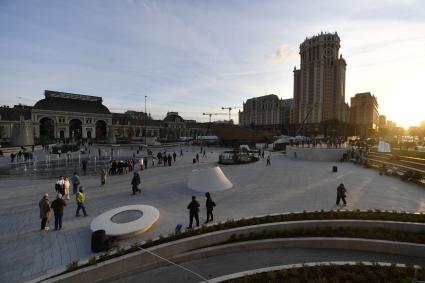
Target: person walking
193,212
174,156
57,205
45,211
210,206
59,186
268,161
197,158
102,177
80,198
84,164
181,152
135,182
75,180
340,194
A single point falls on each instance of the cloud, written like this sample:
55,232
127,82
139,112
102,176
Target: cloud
283,54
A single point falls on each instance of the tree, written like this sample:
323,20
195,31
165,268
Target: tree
415,131
383,132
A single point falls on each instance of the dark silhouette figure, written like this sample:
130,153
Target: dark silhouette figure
210,206
268,161
84,164
135,182
193,212
57,205
340,194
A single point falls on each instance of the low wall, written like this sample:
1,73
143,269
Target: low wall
315,154
201,247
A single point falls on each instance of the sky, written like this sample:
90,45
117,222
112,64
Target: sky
198,56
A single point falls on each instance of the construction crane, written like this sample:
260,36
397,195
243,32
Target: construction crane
210,114
230,110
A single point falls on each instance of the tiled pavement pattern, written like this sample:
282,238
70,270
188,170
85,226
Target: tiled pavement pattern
287,185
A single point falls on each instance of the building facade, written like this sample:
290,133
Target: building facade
364,113
267,112
319,84
70,117
382,121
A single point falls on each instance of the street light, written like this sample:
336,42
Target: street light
146,116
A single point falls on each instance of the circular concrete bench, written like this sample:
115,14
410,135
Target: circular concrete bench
126,221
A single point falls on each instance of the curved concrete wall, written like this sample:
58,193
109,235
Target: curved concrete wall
181,249
315,154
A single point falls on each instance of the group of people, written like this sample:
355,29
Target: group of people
57,206
193,208
309,142
121,167
22,155
62,186
167,159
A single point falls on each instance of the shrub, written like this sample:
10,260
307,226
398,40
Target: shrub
358,273
73,265
92,261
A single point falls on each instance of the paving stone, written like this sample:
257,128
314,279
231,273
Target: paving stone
287,185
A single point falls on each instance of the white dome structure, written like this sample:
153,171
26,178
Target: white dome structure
126,221
209,180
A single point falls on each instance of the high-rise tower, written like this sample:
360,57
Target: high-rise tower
319,84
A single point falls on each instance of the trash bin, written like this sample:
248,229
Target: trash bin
335,169
98,239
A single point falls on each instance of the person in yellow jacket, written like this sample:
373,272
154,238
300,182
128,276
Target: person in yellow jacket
80,197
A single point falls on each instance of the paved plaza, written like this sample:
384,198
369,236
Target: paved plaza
286,185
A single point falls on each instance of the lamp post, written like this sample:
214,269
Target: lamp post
146,116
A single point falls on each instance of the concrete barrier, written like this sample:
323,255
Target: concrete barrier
180,249
315,154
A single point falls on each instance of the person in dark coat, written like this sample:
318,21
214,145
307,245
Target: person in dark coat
135,182
193,212
84,164
174,156
210,206
340,194
57,205
45,211
169,159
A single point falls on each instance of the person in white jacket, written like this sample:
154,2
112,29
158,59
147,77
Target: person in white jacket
66,185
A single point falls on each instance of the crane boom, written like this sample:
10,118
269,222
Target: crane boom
210,114
230,108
